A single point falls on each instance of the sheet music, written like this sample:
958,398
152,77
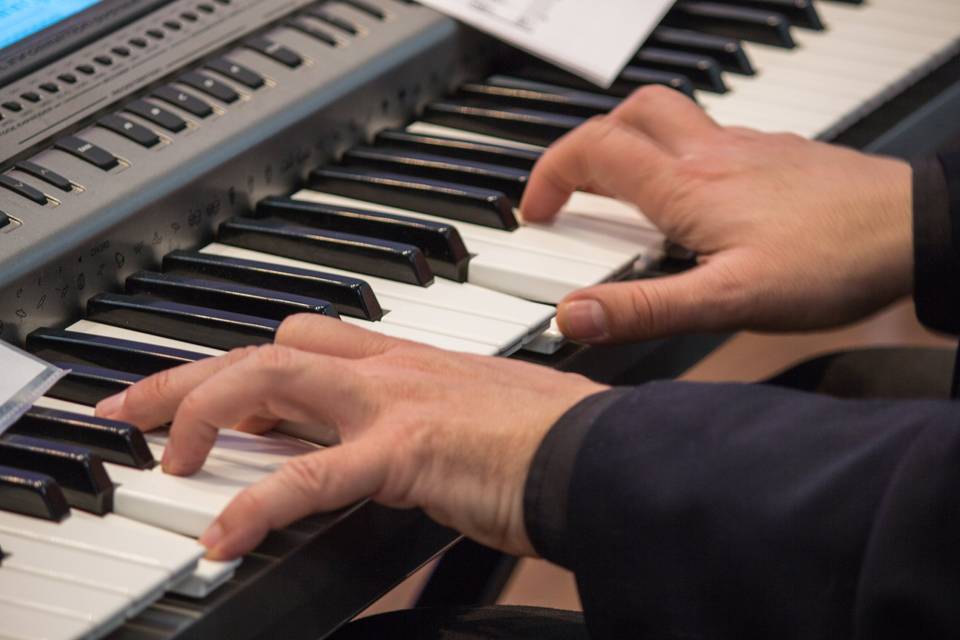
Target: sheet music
592,38
24,379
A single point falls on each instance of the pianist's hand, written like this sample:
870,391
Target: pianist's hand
451,433
792,234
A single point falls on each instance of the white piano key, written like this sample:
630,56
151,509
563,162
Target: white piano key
19,622
103,611
442,293
537,262
540,240
448,343
208,577
427,129
110,331
267,452
140,584
112,536
64,405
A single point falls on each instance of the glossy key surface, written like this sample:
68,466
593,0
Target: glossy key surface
32,494
89,384
79,473
135,357
526,125
351,296
505,156
201,325
113,441
484,175
236,298
361,254
440,243
449,200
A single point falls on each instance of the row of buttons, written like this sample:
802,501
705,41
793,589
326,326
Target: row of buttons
105,60
144,136
165,119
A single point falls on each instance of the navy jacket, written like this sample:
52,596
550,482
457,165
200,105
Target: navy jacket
746,511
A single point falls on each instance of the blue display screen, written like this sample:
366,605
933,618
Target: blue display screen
20,19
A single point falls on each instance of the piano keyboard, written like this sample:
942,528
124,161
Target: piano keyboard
412,233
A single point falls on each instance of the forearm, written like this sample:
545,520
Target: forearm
730,511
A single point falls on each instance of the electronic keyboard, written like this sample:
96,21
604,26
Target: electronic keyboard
178,176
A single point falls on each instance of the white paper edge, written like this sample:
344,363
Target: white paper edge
20,402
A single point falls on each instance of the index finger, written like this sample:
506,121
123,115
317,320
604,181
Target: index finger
604,156
274,382
154,400
332,337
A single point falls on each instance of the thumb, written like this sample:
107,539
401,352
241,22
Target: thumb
697,300
325,480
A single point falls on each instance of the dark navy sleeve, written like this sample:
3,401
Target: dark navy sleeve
936,235
745,511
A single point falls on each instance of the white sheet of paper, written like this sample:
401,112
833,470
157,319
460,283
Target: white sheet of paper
23,379
591,38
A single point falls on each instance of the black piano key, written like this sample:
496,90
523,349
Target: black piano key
444,199
756,25
802,13
539,96
89,384
728,52
236,298
524,125
359,254
440,243
31,494
464,149
199,325
351,296
125,355
630,79
703,71
113,441
78,472
428,165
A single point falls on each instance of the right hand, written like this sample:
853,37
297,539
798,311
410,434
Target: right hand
791,234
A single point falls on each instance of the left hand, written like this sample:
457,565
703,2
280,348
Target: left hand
451,433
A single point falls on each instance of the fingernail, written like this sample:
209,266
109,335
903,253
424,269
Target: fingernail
212,536
583,320
111,406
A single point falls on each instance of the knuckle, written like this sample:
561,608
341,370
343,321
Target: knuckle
159,386
236,355
275,357
647,310
296,324
191,405
304,474
653,94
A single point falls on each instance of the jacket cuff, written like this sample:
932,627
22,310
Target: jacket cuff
548,481
936,256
